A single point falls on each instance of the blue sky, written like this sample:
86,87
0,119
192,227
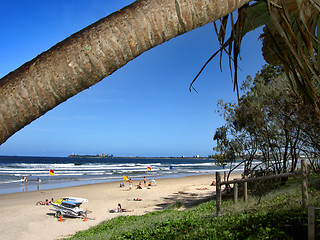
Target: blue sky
143,109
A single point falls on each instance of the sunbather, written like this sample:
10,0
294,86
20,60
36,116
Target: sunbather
119,209
46,202
134,199
202,188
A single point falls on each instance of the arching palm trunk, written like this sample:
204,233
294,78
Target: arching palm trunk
95,52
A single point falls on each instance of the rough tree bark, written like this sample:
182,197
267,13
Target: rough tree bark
95,52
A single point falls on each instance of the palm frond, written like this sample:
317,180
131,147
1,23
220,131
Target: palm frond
249,18
291,38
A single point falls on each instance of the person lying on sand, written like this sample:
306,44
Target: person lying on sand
202,188
46,202
134,199
119,209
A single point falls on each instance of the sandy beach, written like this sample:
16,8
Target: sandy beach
22,219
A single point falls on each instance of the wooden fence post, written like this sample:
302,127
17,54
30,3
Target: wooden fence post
304,182
235,192
311,222
218,194
245,191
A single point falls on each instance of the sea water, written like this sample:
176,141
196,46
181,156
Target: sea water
74,171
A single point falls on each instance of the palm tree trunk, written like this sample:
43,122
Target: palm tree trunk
95,52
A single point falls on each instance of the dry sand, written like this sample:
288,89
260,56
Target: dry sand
22,219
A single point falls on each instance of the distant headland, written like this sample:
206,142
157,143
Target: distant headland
103,155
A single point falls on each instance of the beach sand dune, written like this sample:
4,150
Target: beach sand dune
22,219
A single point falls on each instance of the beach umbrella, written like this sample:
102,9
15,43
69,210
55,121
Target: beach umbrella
51,172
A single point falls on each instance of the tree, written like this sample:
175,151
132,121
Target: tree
224,146
98,50
95,52
271,119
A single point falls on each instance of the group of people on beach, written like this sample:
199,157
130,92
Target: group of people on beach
25,180
119,209
139,186
151,183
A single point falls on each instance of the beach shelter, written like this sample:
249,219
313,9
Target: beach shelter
125,178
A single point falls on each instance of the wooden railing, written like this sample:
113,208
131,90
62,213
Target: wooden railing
304,185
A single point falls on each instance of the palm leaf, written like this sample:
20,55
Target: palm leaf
292,34
249,18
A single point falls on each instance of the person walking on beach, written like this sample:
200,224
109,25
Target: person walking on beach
145,181
130,184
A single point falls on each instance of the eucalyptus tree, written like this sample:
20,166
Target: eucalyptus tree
265,121
98,50
309,129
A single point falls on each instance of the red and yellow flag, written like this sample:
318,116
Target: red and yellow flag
149,168
51,172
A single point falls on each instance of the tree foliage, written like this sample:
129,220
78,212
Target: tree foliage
270,127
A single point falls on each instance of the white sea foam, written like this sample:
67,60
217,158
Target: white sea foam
68,169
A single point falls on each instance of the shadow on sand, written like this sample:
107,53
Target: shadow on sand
188,200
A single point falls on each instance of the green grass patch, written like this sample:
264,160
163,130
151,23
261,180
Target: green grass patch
278,215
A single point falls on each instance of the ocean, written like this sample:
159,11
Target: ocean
74,171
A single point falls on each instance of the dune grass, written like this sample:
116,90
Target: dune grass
278,215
